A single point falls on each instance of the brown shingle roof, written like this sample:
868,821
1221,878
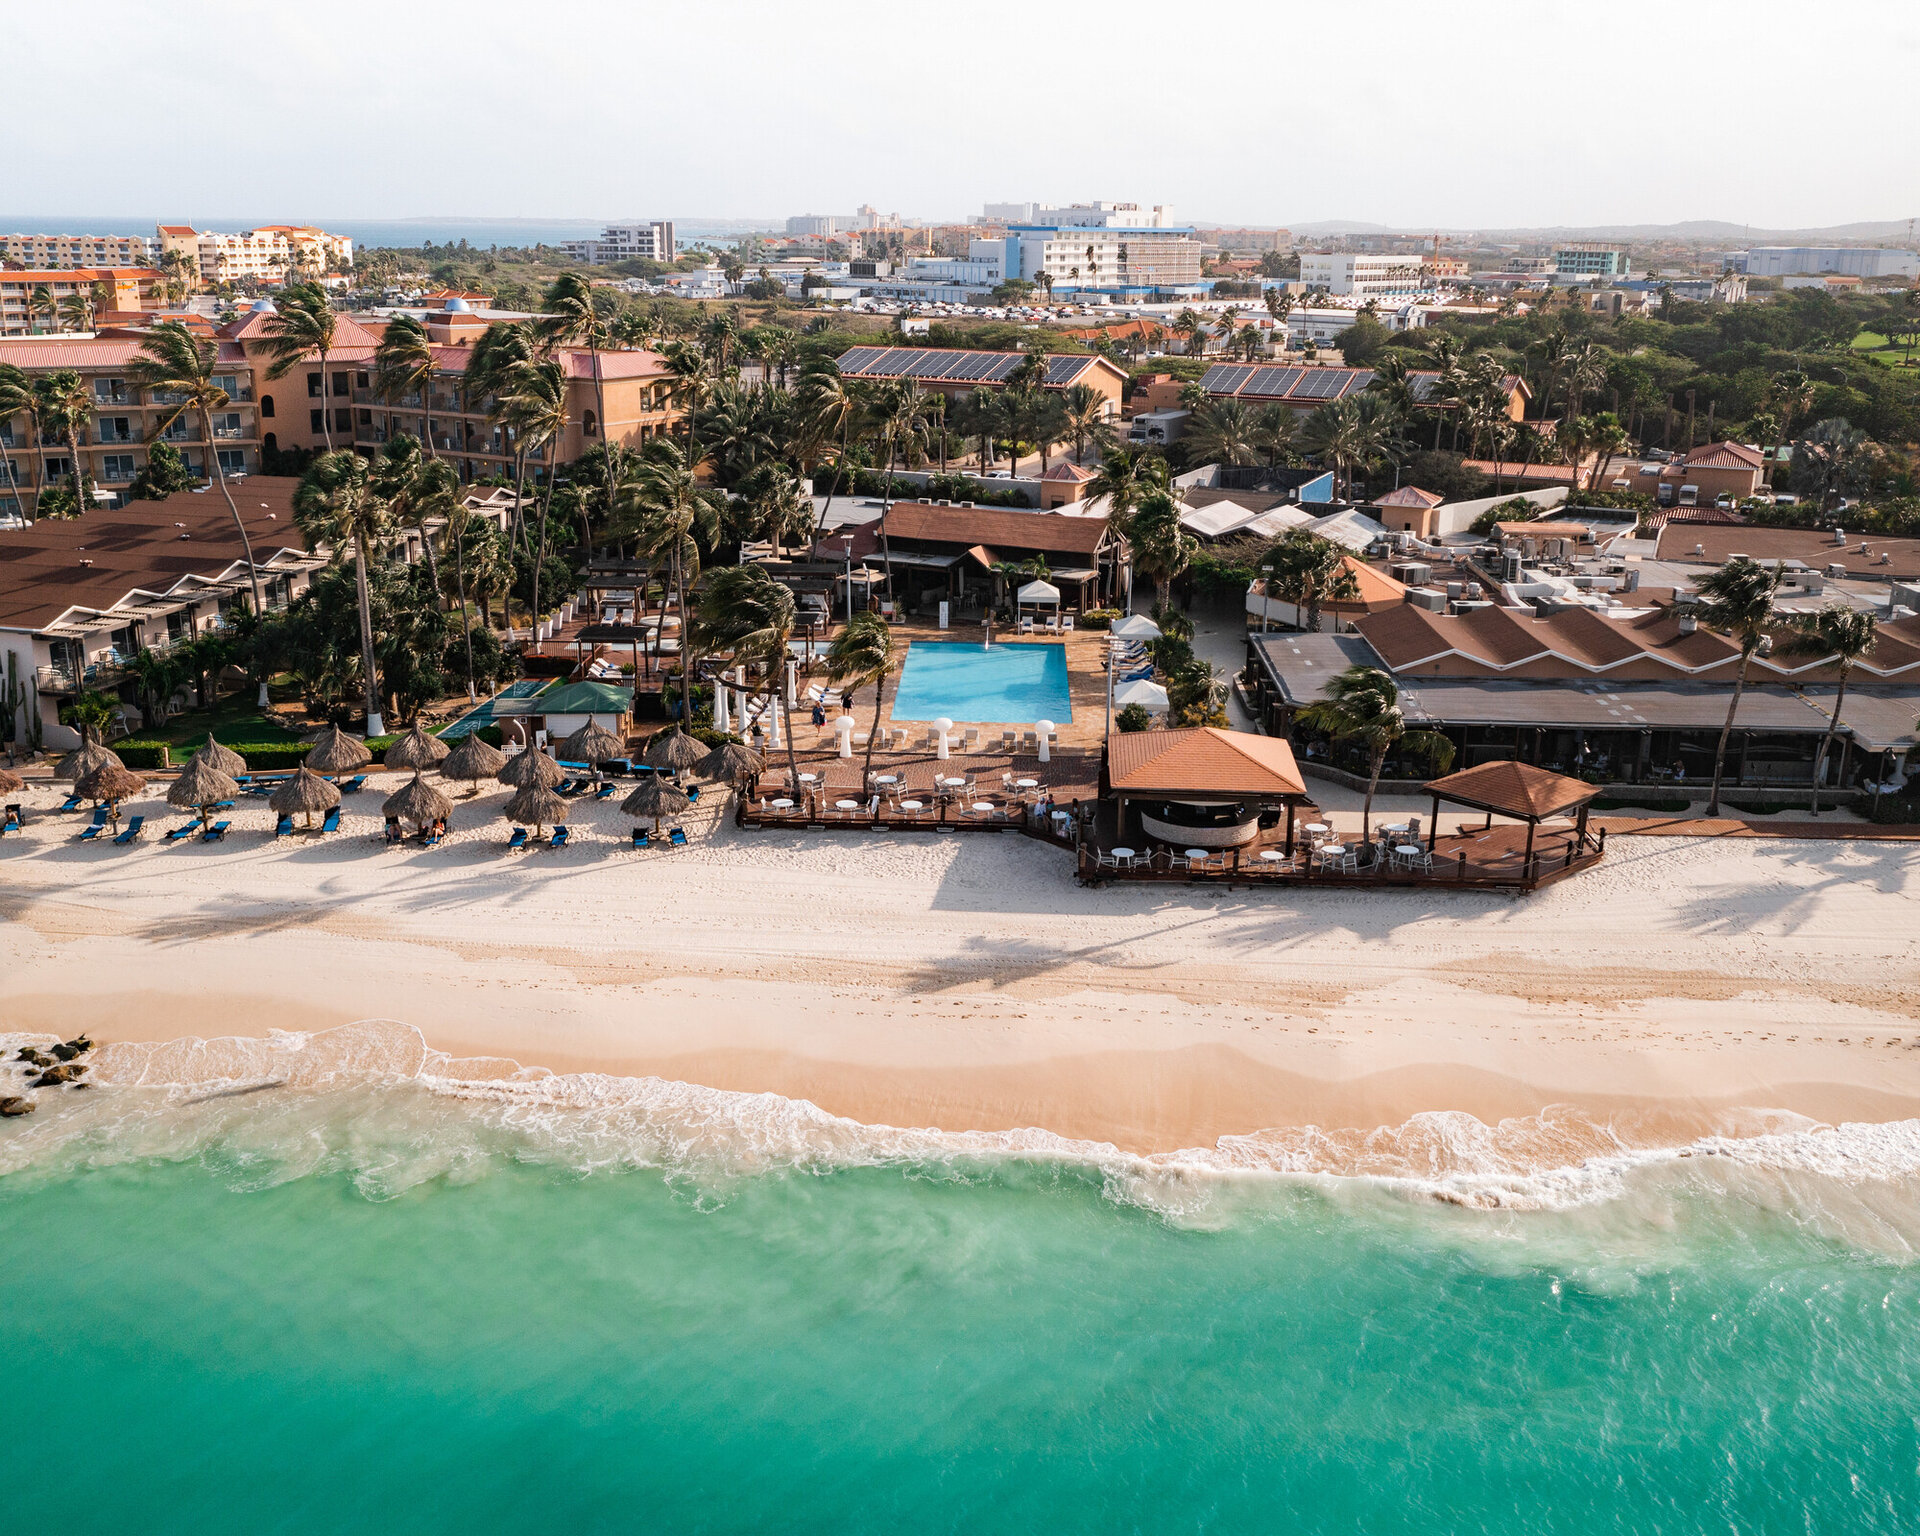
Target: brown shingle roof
962,527
1812,546
1510,788
1409,496
137,546
1202,761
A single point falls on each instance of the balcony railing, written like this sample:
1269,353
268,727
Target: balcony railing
107,437
114,396
366,434
228,434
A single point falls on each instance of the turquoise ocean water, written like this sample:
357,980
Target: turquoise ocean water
262,1297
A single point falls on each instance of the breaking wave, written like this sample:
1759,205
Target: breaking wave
371,1100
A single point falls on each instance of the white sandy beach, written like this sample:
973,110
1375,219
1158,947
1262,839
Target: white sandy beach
965,982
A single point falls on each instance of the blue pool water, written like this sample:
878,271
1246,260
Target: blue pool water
1010,684
526,688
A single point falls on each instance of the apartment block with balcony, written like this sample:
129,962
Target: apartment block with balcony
126,419
30,302
1585,262
78,250
626,242
1364,276
268,254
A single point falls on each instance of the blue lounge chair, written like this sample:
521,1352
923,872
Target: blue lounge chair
92,830
394,832
217,833
72,803
519,838
576,767
283,827
693,794
243,779
619,767
11,821
641,839
559,838
604,790
564,787
677,838
332,823
134,824
223,805
182,832
353,784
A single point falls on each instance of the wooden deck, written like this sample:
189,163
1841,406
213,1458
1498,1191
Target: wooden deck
1063,808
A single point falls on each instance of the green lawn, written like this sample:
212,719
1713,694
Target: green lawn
236,719
1873,345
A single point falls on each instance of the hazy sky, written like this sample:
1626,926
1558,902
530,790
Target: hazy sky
1458,114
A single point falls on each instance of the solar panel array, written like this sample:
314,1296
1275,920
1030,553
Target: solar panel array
952,365
1303,385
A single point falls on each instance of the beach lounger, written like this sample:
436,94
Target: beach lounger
1066,623
677,837
564,787
641,839
431,839
72,803
133,830
519,838
605,789
217,833
394,834
92,830
332,823
181,833
11,822
283,827
243,779
559,838
353,784
693,794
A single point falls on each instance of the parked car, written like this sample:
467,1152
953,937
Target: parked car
1724,501
1785,499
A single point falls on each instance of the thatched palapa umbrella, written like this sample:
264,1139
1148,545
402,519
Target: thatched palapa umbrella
80,762
730,761
537,805
110,783
675,749
304,793
334,751
531,769
419,803
10,783
418,749
201,787
225,759
592,744
656,797
473,760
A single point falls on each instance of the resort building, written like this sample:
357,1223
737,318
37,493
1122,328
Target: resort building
1584,262
1350,273
269,254
77,250
1120,251
1639,698
30,301
625,242
80,599
126,420
959,372
962,555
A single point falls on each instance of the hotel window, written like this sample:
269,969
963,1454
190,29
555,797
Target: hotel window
318,420
119,466
343,419
363,381
266,406
340,384
313,386
59,467
233,460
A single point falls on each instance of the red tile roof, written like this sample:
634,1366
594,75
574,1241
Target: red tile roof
1204,761
1510,788
1724,456
1066,469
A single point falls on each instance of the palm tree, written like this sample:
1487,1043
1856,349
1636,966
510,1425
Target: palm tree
1224,432
692,381
772,507
335,505
536,409
570,320
1362,704
1586,369
403,365
416,487
1738,600
503,348
863,653
65,404
1844,635
1608,440
1555,348
44,306
302,327
16,399
897,412
1309,571
1125,477
1791,393
1333,433
1192,329
178,363
459,517
829,407
667,511
1085,419
76,312
1161,547
746,610
1273,426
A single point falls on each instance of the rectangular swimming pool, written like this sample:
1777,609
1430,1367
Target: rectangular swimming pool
1006,684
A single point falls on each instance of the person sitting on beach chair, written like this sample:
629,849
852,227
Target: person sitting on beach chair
394,833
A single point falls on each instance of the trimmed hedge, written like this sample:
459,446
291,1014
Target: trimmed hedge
1099,618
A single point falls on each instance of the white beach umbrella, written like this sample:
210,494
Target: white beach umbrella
1150,696
1135,626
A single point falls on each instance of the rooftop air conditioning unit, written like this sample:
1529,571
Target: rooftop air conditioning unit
1699,549
1688,623
1836,570
1633,578
1839,535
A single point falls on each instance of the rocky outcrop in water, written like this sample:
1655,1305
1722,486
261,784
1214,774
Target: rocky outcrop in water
16,1106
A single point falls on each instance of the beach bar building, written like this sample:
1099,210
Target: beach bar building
1201,787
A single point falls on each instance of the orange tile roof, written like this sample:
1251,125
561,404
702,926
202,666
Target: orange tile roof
1204,761
1066,469
1724,455
81,274
1409,496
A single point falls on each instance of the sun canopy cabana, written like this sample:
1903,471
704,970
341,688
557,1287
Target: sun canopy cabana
1038,594
1518,791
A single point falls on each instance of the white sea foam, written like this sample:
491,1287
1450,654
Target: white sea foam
370,1099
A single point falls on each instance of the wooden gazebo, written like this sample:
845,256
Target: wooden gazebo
1518,791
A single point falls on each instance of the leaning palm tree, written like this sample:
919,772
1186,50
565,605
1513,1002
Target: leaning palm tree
667,512
536,409
745,610
1844,635
16,399
829,407
415,487
691,382
1334,434
1125,477
403,365
76,312
1363,704
182,365
302,327
863,653
336,505
569,319
1737,599
503,348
